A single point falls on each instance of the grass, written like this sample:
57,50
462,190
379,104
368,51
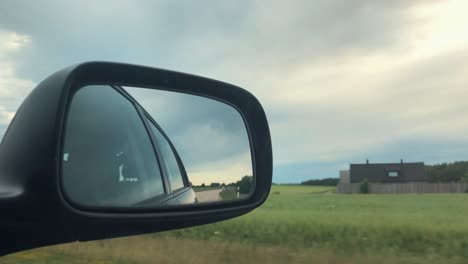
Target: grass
300,224
170,250
310,217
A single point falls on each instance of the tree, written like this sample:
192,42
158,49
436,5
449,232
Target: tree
245,184
448,172
364,186
203,185
322,182
465,177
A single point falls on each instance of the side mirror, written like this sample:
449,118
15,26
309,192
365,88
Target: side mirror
101,150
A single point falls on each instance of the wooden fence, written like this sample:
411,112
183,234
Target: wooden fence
410,187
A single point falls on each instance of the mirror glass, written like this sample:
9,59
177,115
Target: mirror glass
139,147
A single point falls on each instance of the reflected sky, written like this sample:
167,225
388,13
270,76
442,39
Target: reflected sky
209,136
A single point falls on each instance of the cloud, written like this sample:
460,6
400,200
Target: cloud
353,102
339,80
12,41
12,89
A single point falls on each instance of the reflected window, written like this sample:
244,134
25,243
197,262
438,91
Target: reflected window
108,159
169,159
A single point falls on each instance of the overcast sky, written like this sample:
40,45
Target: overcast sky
341,81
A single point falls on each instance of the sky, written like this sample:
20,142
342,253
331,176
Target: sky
340,81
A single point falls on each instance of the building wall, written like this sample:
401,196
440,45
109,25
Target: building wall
378,172
344,176
400,188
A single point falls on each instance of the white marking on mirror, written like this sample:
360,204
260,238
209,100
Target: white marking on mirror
121,177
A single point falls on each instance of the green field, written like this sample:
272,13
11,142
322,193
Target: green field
299,224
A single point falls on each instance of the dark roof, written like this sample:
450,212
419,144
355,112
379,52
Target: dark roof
385,172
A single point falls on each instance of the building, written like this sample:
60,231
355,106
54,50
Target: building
344,176
394,178
401,172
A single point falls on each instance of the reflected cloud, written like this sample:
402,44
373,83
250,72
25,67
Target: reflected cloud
210,136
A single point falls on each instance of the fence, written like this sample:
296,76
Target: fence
410,187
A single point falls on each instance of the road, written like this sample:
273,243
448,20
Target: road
209,196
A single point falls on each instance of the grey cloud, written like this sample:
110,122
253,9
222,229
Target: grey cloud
189,36
286,35
203,130
262,47
143,32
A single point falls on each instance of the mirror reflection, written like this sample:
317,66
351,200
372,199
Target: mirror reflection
134,147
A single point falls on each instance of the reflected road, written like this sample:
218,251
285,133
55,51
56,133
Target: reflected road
209,196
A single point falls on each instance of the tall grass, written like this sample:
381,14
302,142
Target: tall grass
302,217
175,251
300,224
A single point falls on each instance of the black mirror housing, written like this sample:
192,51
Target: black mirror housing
35,211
